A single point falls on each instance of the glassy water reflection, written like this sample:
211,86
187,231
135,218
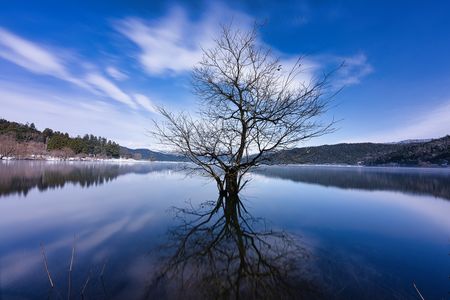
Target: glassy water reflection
146,231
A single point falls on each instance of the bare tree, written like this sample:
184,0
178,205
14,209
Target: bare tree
249,107
8,146
63,153
35,149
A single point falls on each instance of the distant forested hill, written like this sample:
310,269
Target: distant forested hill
415,153
150,155
25,139
434,152
21,132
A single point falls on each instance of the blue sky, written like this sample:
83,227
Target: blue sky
101,66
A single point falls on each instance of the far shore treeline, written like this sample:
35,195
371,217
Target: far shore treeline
25,139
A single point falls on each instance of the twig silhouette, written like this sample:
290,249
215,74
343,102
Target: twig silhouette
418,292
53,287
85,285
69,291
46,266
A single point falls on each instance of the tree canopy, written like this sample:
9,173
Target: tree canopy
249,105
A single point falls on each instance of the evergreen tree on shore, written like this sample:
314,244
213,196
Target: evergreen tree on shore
88,144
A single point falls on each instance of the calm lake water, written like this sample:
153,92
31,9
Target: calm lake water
361,233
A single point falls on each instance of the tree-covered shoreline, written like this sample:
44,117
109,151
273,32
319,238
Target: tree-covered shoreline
23,140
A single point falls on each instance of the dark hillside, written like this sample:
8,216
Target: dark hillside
434,152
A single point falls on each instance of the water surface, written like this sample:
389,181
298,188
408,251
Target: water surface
368,232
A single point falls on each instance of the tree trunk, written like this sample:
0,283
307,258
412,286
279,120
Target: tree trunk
232,211
231,194
231,187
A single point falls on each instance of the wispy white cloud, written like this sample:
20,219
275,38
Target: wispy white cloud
143,101
354,68
72,113
346,70
41,60
435,123
29,55
116,74
35,58
308,68
173,44
109,89
163,46
425,124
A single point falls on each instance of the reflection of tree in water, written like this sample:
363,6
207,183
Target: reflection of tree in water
20,177
435,182
43,179
219,251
